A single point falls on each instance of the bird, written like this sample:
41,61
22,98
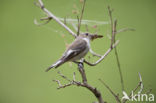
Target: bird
76,50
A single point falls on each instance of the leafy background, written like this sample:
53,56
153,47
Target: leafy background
26,50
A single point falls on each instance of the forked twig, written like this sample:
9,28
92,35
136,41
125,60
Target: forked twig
51,15
80,84
113,39
140,84
95,54
81,15
111,91
103,56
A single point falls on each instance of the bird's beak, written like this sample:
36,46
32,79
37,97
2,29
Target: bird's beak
95,36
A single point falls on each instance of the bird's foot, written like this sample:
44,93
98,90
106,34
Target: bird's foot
80,65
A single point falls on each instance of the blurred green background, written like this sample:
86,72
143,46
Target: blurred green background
26,50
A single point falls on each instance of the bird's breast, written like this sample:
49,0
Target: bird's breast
87,41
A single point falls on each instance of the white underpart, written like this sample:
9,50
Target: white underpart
88,42
81,55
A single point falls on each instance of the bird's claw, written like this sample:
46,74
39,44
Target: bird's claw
80,65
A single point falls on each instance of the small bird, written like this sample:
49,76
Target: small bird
77,50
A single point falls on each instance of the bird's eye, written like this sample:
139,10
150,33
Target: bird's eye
86,34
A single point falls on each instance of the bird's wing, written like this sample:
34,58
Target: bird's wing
74,49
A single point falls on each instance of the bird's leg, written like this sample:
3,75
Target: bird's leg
80,63
94,54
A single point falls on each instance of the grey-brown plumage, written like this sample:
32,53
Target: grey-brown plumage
77,50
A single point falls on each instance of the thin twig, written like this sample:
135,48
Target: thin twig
113,39
46,18
111,91
78,83
63,76
95,54
110,15
64,86
65,22
119,67
55,18
140,84
103,56
125,29
40,24
78,27
58,82
80,19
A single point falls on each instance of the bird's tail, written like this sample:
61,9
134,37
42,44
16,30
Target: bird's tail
55,65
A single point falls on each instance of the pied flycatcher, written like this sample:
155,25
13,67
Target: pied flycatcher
77,50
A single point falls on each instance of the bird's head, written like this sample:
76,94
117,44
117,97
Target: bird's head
90,36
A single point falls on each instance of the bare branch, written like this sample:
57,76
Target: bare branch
114,31
113,45
111,91
95,54
80,19
110,15
64,86
46,18
82,72
63,76
103,57
77,83
78,27
58,82
41,5
140,84
125,29
92,89
65,22
40,24
119,67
